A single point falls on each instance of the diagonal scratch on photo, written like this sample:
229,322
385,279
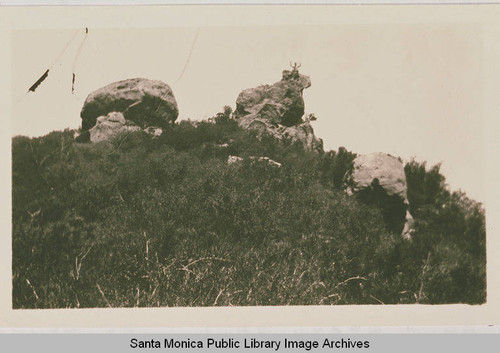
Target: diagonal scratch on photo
247,166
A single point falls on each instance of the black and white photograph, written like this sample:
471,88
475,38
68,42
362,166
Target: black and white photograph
279,164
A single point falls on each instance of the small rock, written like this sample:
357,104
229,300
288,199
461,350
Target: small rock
267,160
233,159
108,126
222,145
153,131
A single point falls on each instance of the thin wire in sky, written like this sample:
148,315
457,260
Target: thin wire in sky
64,50
76,60
188,57
46,73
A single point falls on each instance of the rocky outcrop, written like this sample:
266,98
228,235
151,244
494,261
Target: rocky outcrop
144,102
277,110
280,103
379,179
108,126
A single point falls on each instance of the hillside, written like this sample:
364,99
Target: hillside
147,221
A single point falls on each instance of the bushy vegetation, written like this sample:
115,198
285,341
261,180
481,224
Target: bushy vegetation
450,236
142,221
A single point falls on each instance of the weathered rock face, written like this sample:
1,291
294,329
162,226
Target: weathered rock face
108,126
387,169
304,134
277,110
379,179
144,102
280,103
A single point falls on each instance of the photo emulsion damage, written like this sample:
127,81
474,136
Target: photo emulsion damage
246,167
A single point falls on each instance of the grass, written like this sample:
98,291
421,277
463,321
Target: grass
143,222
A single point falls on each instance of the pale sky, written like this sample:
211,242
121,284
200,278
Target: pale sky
409,90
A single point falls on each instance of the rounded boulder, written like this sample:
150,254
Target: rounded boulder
142,101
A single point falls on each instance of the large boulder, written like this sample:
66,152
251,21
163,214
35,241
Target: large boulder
108,126
280,103
144,102
379,179
277,110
